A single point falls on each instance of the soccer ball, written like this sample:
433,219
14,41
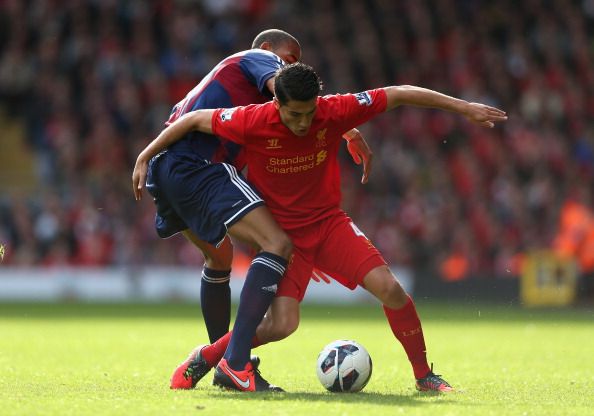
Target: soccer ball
344,366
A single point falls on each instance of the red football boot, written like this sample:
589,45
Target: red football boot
433,382
248,379
191,371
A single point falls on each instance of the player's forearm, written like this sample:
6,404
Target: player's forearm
199,120
423,97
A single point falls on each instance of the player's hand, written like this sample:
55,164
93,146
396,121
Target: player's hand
319,276
360,151
484,115
139,177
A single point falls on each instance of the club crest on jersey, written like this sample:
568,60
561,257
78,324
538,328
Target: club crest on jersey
227,114
364,98
321,138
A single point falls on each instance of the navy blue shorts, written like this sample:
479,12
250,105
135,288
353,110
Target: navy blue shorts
190,193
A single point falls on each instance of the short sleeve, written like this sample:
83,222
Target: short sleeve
353,110
229,123
259,66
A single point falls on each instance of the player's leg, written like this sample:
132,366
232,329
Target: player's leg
282,319
404,321
401,314
173,217
349,255
259,229
165,187
215,293
214,200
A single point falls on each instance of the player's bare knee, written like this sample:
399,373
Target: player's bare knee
279,244
218,258
285,246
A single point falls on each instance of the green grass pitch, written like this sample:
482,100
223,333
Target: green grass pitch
72,359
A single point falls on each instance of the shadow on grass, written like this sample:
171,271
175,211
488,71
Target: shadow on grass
371,398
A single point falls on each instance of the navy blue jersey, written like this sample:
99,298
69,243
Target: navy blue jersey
239,79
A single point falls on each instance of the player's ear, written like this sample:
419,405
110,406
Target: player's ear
267,46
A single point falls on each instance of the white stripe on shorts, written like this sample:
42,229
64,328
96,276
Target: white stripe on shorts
244,188
241,184
239,212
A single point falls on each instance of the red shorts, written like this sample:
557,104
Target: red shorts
336,247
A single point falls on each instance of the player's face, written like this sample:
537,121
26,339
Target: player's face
297,115
289,52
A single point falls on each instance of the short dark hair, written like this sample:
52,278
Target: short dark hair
297,82
275,37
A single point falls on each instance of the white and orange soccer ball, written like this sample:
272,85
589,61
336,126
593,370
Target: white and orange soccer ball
344,366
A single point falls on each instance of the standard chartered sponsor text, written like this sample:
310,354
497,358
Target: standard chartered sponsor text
293,164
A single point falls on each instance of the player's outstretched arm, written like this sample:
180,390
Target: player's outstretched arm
360,151
196,120
477,113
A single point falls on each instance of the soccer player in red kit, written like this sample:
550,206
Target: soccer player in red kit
291,147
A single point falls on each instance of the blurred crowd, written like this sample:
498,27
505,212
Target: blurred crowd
93,81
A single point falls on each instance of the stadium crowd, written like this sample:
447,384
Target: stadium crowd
93,81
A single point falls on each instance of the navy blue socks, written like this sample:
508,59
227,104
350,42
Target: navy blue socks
256,296
215,301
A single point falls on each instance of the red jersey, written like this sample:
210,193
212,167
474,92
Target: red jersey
297,176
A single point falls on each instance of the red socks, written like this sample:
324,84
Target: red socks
214,352
406,326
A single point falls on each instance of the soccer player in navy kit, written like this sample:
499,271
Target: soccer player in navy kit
199,192
240,79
